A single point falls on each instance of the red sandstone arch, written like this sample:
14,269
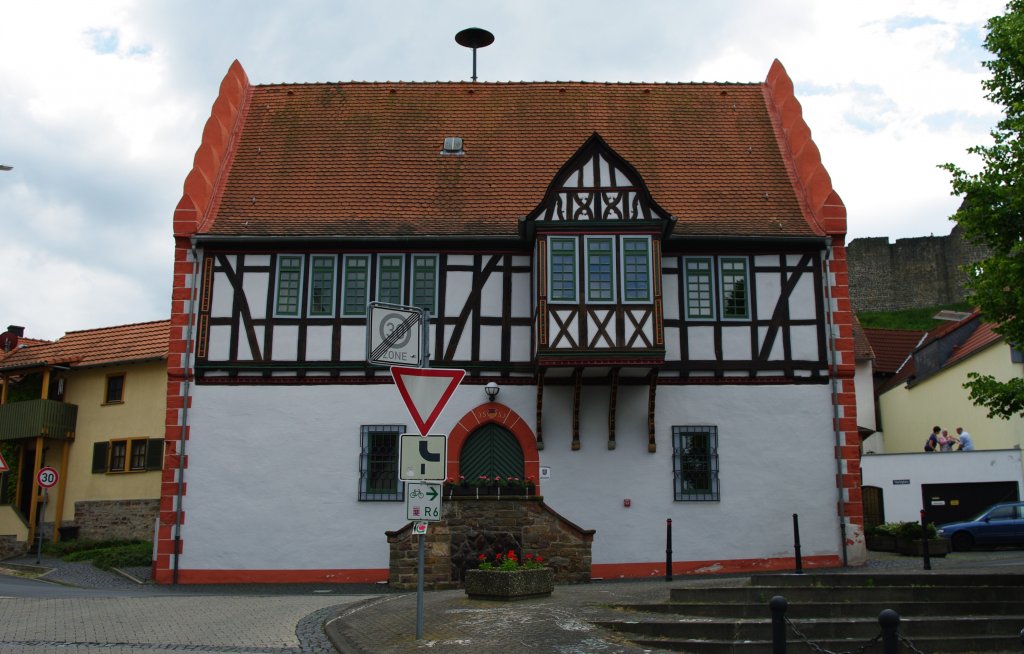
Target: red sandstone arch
499,414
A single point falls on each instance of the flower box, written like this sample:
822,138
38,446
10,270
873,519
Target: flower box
509,585
936,547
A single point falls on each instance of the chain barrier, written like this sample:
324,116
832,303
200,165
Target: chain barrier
909,643
821,650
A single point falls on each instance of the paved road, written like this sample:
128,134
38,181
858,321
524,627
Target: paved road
114,617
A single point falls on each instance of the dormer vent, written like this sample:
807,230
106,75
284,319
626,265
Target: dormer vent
452,146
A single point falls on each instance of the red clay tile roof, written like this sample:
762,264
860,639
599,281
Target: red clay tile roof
93,347
362,158
892,347
981,338
861,346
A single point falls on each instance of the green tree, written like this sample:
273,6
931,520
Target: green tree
993,210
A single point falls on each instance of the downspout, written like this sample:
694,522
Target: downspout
833,381
186,389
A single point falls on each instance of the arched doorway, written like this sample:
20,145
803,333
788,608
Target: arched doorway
491,451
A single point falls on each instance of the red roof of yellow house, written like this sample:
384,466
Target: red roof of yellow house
363,159
94,347
892,347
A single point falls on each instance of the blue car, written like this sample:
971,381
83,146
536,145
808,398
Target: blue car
1000,524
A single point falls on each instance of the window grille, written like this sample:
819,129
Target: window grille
378,464
424,282
563,270
636,268
600,271
699,291
289,279
695,464
356,285
389,279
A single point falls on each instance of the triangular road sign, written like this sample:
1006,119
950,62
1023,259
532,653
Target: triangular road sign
426,391
3,464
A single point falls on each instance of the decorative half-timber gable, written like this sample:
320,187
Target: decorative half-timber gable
596,184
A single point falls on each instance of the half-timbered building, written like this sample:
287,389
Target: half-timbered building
653,275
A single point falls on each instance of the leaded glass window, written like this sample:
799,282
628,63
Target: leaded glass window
424,282
562,256
289,281
356,284
699,289
321,285
389,278
735,289
636,269
600,269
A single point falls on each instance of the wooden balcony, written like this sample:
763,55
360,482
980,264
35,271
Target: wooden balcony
32,418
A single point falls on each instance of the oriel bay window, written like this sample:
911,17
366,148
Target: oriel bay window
600,269
636,269
128,455
562,269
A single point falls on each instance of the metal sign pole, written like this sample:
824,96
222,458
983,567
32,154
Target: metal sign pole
419,589
39,528
425,363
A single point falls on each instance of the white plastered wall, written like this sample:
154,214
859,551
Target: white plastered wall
273,473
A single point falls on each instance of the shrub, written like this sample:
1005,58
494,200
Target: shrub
911,530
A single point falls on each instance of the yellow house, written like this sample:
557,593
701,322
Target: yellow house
91,406
928,390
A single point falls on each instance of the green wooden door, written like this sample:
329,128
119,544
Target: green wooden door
492,451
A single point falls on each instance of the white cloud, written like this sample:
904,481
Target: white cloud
104,104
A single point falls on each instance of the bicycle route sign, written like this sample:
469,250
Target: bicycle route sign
423,502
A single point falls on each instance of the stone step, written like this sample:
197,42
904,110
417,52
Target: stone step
973,645
886,580
820,629
837,609
811,594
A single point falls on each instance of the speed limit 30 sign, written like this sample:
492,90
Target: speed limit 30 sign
47,477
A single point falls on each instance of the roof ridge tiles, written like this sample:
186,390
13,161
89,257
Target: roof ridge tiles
131,324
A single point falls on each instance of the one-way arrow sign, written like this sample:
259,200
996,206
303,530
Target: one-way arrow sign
426,391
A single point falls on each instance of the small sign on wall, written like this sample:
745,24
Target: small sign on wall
545,472
900,482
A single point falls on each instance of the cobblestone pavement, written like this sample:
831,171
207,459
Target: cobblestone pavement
132,618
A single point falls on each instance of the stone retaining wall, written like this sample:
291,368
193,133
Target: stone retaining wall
11,547
470,527
119,519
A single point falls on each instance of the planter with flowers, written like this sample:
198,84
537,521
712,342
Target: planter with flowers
507,578
490,487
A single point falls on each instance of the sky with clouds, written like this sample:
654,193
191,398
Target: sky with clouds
102,106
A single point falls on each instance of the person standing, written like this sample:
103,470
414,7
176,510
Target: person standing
932,443
946,441
966,442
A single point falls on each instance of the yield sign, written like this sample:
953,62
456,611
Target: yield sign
3,464
426,391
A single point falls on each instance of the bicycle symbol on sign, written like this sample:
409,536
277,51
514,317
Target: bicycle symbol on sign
416,493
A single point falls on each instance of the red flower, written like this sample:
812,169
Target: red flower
511,555
497,557
539,558
482,557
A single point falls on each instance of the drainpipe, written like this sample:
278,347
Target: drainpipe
184,412
833,382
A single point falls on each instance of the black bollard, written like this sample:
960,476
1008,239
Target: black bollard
668,550
778,606
890,622
796,545
924,543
